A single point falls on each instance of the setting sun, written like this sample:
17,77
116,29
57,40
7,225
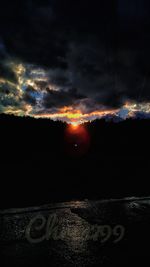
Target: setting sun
77,139
74,125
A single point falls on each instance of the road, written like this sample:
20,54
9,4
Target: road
77,233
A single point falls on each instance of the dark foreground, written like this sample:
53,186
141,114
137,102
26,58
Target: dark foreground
39,165
73,240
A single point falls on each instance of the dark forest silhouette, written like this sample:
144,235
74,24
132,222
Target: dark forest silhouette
36,167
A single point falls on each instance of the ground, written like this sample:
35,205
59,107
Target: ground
73,238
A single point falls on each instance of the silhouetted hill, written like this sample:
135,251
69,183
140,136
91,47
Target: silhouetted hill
37,166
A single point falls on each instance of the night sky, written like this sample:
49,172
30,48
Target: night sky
74,60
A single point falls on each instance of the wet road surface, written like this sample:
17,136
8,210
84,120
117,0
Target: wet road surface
77,233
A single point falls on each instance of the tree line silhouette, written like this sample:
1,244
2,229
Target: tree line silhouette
37,168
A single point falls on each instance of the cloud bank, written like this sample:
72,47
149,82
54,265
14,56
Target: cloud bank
74,61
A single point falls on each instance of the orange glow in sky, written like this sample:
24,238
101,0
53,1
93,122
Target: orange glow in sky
75,117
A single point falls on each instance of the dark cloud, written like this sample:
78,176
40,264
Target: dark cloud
99,47
30,89
6,101
7,89
7,73
60,78
2,50
28,98
41,84
58,99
